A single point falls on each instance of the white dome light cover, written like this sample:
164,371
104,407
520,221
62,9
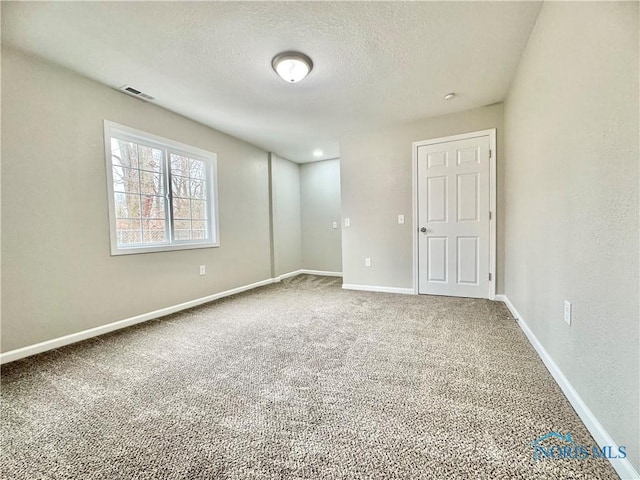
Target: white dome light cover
292,66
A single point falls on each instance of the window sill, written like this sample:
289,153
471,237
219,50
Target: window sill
161,248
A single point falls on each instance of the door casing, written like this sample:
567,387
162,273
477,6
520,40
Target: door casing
491,133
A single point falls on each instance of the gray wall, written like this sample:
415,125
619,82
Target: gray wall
571,177
287,230
320,197
58,276
376,178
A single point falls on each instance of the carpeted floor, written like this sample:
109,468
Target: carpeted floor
295,380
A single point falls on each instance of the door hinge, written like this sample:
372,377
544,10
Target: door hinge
490,153
489,277
490,215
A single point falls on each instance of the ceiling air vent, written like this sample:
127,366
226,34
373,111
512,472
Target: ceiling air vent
134,92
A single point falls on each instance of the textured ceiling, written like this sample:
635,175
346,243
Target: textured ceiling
375,63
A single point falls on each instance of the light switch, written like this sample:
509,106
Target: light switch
400,219
335,224
347,222
567,312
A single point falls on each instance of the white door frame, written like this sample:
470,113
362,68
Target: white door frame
492,201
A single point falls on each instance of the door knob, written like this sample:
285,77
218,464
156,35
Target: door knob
423,230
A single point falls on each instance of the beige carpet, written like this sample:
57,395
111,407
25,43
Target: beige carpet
294,380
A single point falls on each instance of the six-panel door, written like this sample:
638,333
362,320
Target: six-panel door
453,214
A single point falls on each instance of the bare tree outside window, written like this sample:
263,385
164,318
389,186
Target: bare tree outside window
139,193
188,186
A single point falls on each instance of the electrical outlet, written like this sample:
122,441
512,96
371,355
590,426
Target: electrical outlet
567,312
335,224
367,262
347,222
203,270
400,219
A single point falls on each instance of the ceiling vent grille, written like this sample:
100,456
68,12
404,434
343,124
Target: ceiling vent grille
134,92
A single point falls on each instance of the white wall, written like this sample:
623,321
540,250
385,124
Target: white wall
376,178
58,275
320,197
572,205
287,229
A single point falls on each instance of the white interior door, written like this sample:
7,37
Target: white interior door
454,218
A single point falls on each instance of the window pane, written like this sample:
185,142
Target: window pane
198,209
189,196
154,236
198,189
124,153
179,165
150,158
153,224
182,229
153,231
199,230
151,183
197,169
181,208
152,207
127,205
179,186
128,232
126,180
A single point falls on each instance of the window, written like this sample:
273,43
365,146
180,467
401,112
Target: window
162,194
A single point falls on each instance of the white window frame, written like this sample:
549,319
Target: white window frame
169,147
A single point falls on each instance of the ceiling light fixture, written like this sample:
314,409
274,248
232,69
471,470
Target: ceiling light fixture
317,152
292,66
449,96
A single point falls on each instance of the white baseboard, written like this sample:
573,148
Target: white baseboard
502,298
307,272
621,465
287,275
321,273
110,327
374,288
